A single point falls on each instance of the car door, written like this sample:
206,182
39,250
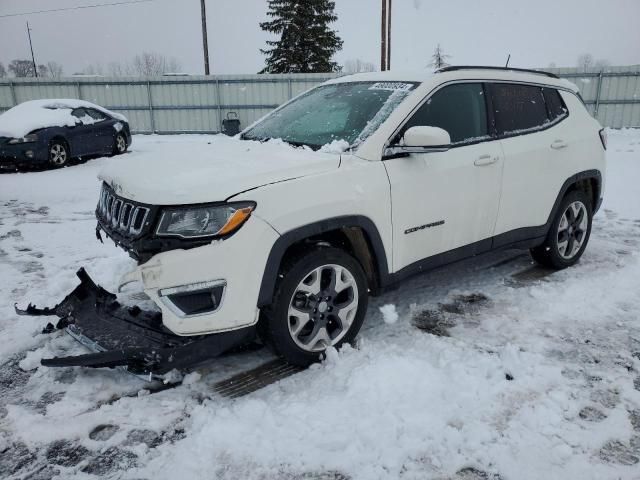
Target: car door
80,135
534,147
443,200
102,130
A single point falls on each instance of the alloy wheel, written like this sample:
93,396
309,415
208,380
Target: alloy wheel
323,307
572,230
58,154
121,145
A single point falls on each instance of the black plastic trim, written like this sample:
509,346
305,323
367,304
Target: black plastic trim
440,260
123,336
272,268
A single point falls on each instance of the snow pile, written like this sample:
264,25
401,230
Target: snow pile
35,114
337,146
389,314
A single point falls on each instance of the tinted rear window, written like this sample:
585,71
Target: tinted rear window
518,107
555,105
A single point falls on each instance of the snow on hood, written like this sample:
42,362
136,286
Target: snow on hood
201,173
34,114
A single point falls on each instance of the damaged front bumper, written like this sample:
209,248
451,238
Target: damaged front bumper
128,337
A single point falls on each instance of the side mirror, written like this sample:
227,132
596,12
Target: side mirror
425,137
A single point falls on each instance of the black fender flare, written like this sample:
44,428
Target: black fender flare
585,175
287,239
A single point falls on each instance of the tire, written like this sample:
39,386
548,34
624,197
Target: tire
308,313
569,233
58,153
119,144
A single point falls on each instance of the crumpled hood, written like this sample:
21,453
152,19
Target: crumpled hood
186,173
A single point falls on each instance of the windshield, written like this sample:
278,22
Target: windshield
342,112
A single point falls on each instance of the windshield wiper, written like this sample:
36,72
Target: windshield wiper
290,142
312,146
244,136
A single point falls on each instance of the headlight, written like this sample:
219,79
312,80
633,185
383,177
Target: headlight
26,139
207,221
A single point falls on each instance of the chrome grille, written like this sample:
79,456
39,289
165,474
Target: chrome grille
121,215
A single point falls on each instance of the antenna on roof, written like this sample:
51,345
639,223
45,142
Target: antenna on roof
508,58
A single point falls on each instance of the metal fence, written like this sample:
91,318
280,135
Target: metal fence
199,104
190,104
612,95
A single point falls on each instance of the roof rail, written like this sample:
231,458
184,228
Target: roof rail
479,67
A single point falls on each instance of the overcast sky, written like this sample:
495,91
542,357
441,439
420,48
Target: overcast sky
536,33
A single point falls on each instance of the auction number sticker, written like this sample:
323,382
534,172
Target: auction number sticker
393,86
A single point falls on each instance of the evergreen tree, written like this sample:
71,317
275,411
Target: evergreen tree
306,43
439,58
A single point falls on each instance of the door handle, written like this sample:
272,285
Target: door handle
484,160
558,144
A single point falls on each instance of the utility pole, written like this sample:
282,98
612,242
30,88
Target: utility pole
389,36
33,59
385,36
205,43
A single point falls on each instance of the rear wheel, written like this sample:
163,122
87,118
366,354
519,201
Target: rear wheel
120,144
58,153
569,233
320,302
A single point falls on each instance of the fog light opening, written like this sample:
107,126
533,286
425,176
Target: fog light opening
195,299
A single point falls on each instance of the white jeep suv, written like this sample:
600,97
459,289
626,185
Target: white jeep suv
352,187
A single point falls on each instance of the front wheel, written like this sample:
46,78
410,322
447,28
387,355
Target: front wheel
320,302
569,233
120,144
58,153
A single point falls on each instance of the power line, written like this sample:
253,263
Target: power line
79,7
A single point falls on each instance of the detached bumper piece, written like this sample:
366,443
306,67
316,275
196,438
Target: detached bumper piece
123,336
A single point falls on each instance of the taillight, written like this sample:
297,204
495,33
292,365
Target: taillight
603,138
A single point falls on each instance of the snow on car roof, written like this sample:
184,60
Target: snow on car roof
35,114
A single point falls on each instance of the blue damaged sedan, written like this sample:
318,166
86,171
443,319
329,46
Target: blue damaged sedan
54,132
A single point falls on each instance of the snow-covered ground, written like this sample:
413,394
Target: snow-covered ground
489,369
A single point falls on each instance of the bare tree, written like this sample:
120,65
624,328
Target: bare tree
585,62
173,66
3,71
93,70
357,66
55,69
151,64
116,69
21,68
145,64
439,58
43,71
